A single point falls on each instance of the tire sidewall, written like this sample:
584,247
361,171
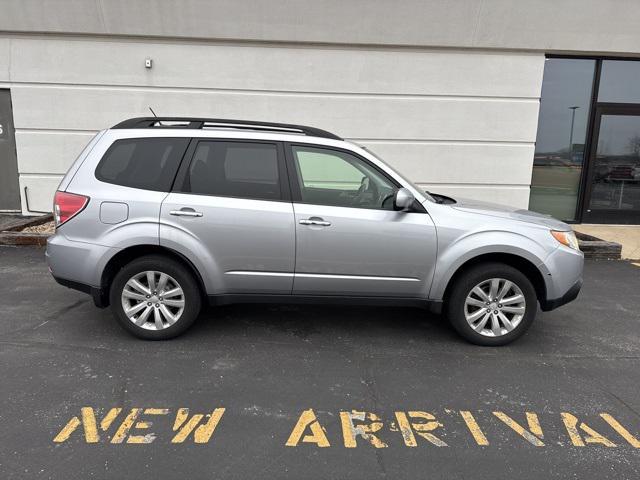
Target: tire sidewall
171,268
474,276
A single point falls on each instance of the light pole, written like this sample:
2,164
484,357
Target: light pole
573,118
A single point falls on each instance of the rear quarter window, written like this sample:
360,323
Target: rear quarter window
145,163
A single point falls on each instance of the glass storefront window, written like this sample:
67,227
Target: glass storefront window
616,167
619,81
562,130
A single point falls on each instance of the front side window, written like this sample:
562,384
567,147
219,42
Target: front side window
146,163
235,169
332,177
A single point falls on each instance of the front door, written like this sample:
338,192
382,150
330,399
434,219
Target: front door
613,185
349,239
9,190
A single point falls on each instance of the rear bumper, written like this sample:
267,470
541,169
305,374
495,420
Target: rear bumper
97,294
78,265
572,293
77,261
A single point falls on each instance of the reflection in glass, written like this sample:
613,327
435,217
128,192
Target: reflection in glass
616,179
620,81
562,129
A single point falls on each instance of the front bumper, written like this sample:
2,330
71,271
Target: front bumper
571,295
563,277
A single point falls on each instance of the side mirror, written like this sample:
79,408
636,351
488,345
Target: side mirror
403,199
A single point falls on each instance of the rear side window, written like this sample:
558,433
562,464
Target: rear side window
146,163
234,169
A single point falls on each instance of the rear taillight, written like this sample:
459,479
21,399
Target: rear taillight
67,205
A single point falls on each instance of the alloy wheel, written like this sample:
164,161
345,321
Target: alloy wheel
153,300
494,307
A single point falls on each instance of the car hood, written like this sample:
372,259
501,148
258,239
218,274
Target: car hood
503,211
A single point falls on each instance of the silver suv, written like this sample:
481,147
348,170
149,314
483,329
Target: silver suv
158,216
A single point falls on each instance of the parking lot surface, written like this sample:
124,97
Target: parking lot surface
316,391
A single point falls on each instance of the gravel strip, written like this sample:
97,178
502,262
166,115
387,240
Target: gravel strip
48,227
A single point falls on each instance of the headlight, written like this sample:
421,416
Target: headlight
566,238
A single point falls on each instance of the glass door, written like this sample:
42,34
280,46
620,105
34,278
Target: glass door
613,187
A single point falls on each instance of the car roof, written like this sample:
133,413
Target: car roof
191,123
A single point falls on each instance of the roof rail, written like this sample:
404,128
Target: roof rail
199,123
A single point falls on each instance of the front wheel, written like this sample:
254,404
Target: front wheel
155,298
492,304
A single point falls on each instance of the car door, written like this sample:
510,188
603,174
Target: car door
230,211
349,238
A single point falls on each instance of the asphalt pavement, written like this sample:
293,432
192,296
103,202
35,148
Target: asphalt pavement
320,391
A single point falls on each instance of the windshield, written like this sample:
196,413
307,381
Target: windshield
420,189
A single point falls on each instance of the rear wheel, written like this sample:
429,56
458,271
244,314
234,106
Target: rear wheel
155,298
492,304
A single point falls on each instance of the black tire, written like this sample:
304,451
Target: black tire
464,283
171,267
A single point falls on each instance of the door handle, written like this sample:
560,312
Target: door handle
315,221
185,212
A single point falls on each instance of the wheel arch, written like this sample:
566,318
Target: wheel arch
126,255
518,262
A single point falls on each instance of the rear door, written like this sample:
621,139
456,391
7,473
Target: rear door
231,199
349,239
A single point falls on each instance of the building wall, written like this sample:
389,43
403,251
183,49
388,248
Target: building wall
543,25
457,122
447,91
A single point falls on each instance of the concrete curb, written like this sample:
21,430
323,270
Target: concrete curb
21,238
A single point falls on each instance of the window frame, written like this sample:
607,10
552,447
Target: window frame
584,191
295,178
181,177
601,215
113,145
